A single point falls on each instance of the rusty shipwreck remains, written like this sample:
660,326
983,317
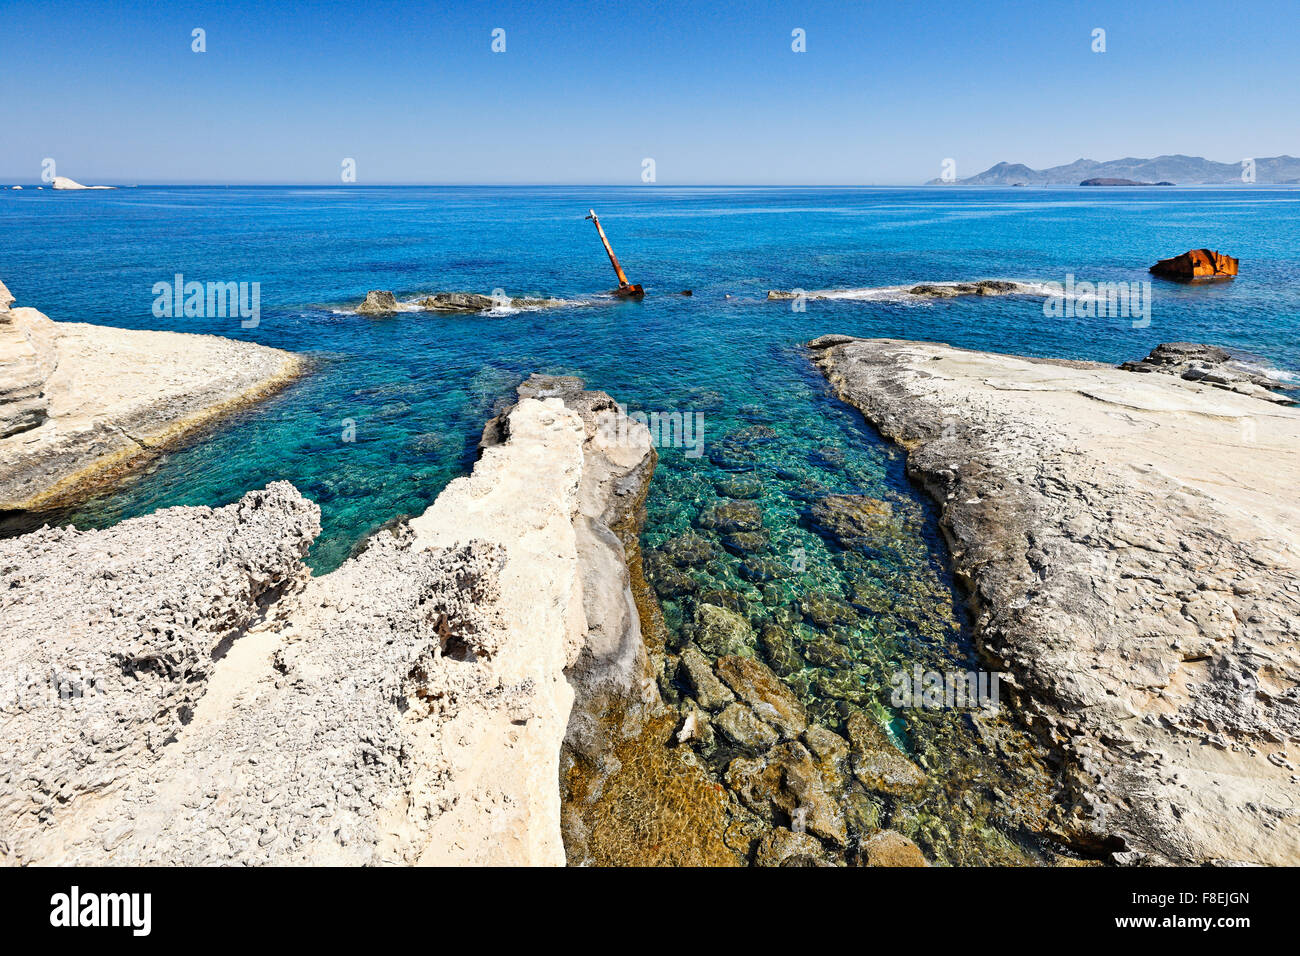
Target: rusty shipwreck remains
625,290
1197,264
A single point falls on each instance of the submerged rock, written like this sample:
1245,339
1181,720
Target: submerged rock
697,674
826,611
689,550
739,724
725,516
877,763
850,520
779,649
888,848
786,785
782,847
739,487
744,543
757,686
719,631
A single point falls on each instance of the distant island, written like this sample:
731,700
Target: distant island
1103,181
1160,171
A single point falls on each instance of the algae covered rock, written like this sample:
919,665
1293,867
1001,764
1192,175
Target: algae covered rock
696,673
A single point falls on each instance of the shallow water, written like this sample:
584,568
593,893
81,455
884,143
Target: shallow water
415,389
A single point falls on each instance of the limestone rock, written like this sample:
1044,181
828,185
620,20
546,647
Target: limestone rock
378,302
63,182
1211,365
27,360
80,404
1141,596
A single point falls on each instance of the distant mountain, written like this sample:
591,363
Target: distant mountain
1183,170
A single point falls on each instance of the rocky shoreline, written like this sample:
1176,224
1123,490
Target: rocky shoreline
1129,544
81,405
188,694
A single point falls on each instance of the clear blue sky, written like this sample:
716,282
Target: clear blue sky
586,90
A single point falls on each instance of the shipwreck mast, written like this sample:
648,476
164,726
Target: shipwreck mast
625,290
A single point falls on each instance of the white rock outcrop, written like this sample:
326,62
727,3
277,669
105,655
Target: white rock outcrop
80,404
63,182
1131,544
190,696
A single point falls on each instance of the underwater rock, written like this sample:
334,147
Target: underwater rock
825,651
862,814
779,649
689,550
722,597
744,543
738,487
752,435
828,456
668,581
787,784
877,763
845,684
782,847
755,684
739,725
724,516
888,848
759,568
850,520
719,631
867,593
696,672
825,610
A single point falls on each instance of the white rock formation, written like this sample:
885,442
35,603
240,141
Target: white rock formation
63,182
80,403
219,707
1132,545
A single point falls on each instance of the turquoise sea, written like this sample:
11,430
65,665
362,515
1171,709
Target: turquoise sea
418,387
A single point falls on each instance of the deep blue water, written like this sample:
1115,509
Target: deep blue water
418,387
